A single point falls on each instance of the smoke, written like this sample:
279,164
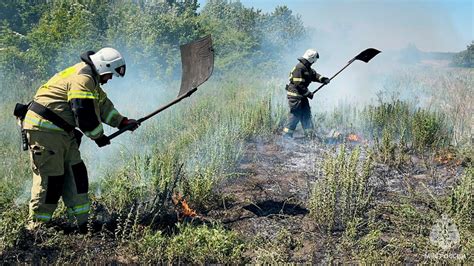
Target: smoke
134,97
341,29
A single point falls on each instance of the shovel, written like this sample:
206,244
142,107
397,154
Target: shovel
364,56
197,62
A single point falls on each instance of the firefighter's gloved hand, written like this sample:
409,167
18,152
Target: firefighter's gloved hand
325,80
102,141
126,122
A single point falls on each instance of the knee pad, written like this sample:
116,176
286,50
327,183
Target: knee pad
80,177
54,189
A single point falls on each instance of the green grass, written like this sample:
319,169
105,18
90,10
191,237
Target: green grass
199,142
191,244
203,139
344,193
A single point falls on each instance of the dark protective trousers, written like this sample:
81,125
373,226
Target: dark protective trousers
300,111
58,171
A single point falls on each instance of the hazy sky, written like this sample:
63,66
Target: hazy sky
432,25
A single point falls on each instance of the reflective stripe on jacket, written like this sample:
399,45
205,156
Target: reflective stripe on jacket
300,77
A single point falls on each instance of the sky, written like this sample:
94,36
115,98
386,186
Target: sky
431,25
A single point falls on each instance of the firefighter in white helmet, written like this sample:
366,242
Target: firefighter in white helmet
298,93
71,99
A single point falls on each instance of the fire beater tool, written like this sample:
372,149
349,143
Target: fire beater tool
197,62
364,56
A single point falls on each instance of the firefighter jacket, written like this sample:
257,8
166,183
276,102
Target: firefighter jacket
74,94
300,78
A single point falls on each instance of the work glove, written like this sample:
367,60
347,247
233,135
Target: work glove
126,122
102,141
325,80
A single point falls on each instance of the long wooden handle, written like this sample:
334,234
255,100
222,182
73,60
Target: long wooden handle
322,85
157,111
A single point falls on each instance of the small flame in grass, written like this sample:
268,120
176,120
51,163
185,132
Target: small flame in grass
353,137
447,157
186,211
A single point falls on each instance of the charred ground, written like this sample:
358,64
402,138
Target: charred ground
267,205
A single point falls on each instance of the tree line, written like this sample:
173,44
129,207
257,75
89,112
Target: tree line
42,37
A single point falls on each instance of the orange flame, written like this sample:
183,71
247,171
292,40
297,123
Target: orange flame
446,158
186,211
353,137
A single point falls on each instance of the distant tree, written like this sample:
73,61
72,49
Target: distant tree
41,37
17,18
151,33
465,58
21,15
63,32
281,33
410,54
247,38
235,32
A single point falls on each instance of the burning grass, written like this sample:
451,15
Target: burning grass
182,205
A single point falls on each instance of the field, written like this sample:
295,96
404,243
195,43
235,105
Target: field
371,187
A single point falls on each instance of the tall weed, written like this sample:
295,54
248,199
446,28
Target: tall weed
344,192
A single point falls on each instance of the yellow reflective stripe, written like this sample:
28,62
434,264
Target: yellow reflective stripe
41,123
110,115
287,130
67,72
298,79
42,216
78,94
293,94
63,74
291,73
96,132
80,209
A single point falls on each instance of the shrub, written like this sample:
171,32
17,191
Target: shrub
344,192
12,223
151,247
392,116
461,202
204,244
428,130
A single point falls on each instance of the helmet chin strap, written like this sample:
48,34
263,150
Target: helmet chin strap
104,78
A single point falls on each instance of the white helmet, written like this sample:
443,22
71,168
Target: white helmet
108,60
311,55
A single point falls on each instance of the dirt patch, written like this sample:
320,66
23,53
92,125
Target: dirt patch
270,207
271,192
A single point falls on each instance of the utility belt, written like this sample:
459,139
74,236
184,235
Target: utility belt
21,110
